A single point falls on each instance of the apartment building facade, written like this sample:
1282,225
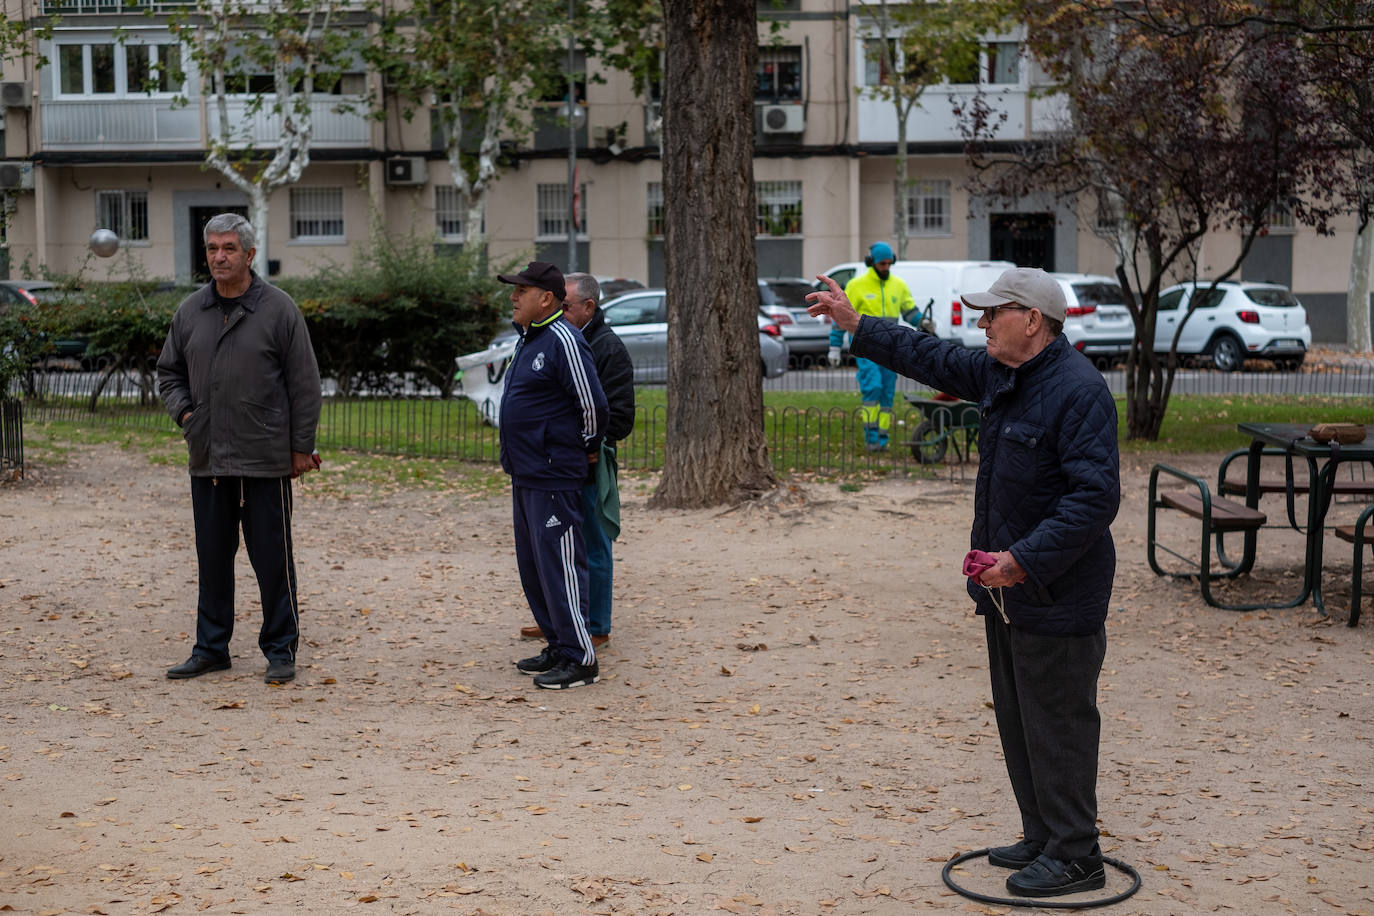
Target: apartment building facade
88,143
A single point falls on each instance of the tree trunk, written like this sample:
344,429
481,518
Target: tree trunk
1357,334
715,449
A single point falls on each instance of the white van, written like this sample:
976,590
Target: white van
938,285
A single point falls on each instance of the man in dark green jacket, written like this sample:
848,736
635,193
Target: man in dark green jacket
238,375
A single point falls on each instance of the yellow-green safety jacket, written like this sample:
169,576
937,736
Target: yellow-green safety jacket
872,295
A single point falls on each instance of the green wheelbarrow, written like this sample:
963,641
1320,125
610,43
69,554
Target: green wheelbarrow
943,422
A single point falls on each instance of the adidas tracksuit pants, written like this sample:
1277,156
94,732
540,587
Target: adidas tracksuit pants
262,505
551,554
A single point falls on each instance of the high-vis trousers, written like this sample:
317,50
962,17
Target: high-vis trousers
877,387
262,505
551,555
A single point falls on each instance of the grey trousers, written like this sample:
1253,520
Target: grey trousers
1044,692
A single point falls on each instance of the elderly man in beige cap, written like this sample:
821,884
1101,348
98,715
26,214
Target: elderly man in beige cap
1047,490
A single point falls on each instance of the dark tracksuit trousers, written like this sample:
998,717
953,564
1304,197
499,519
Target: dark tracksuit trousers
262,505
551,554
1044,692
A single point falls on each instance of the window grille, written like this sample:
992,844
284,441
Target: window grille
551,211
779,207
656,210
125,213
928,208
317,213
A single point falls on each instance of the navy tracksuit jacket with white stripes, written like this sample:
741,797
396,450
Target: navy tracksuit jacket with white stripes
553,415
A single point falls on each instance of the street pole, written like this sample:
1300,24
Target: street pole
572,143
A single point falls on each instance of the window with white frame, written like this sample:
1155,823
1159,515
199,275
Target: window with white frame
104,67
317,214
876,61
125,213
1004,63
551,211
779,208
927,208
655,207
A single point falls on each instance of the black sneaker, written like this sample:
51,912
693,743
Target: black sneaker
546,660
1047,877
195,666
1016,856
568,674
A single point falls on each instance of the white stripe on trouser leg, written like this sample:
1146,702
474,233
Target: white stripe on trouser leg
567,549
286,549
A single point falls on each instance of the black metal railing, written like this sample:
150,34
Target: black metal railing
826,439
11,439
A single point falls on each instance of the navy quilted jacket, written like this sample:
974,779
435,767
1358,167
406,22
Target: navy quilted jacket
1048,472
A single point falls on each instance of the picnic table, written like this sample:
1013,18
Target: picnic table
1323,460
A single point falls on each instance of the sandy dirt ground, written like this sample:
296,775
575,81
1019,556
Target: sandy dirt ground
793,717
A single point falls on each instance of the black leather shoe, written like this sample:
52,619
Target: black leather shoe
1016,856
546,660
280,672
1047,877
195,666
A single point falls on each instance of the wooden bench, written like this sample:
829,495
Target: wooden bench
1357,534
1226,515
1233,487
1218,515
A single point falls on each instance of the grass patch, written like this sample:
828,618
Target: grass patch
380,446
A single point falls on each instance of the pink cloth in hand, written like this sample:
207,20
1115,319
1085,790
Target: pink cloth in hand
977,562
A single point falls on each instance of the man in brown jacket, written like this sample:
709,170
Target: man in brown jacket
239,376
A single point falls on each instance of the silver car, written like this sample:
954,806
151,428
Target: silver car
640,318
784,300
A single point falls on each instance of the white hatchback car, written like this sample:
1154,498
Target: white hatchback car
1097,322
1235,322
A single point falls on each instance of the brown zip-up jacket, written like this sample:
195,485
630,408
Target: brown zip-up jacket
249,379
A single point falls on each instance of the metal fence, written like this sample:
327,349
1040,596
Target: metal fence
824,439
11,438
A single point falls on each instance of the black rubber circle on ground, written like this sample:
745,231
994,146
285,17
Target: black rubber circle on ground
1047,903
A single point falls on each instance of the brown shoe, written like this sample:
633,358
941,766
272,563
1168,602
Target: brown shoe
599,641
531,633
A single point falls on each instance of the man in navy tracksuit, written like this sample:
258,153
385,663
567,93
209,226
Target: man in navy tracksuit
552,420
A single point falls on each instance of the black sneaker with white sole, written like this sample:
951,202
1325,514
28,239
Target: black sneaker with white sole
546,660
568,674
1049,877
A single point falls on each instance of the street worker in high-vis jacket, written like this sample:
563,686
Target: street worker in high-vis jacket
879,293
553,419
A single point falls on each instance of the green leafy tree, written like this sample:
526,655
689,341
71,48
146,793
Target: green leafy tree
478,64
273,56
914,46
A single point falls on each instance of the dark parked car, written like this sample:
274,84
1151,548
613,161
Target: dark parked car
33,293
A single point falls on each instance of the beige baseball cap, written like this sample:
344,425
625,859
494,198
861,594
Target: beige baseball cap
1028,286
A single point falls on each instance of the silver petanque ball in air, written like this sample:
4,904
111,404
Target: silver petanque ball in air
104,243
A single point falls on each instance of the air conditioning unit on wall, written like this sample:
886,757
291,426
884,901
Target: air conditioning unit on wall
16,95
16,176
784,119
406,170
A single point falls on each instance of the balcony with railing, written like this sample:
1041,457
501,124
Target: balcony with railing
120,124
157,124
124,7
339,122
